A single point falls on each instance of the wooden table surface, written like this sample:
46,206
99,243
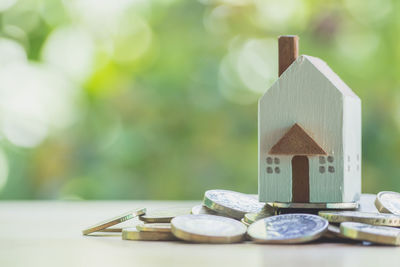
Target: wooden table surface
45,233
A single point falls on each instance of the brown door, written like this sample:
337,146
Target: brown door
300,179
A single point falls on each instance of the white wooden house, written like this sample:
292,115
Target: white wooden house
309,125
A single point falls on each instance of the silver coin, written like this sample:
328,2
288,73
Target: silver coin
206,228
366,232
230,203
367,203
288,228
388,202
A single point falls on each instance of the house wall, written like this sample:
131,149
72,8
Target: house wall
352,149
302,95
326,178
275,186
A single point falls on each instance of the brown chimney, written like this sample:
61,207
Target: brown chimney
288,51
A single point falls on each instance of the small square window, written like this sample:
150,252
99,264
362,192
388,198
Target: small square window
269,160
277,170
331,169
322,169
321,160
269,170
276,160
330,159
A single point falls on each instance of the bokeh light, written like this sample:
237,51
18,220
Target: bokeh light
11,52
71,50
257,64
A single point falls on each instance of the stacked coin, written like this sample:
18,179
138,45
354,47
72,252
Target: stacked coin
156,225
216,221
369,224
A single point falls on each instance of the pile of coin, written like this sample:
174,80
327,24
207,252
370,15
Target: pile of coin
230,217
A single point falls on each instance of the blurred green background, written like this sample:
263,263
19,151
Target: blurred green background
157,99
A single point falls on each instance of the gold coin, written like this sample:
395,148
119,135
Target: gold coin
163,215
372,233
264,213
317,206
362,217
200,209
388,202
288,229
134,234
111,230
113,221
244,222
231,204
204,228
367,203
154,227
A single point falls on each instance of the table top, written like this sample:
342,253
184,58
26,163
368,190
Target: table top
45,233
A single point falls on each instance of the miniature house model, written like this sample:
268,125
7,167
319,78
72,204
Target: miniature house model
309,125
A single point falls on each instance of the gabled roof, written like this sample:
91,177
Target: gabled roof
323,68
297,142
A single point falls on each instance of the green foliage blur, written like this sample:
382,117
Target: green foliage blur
157,99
